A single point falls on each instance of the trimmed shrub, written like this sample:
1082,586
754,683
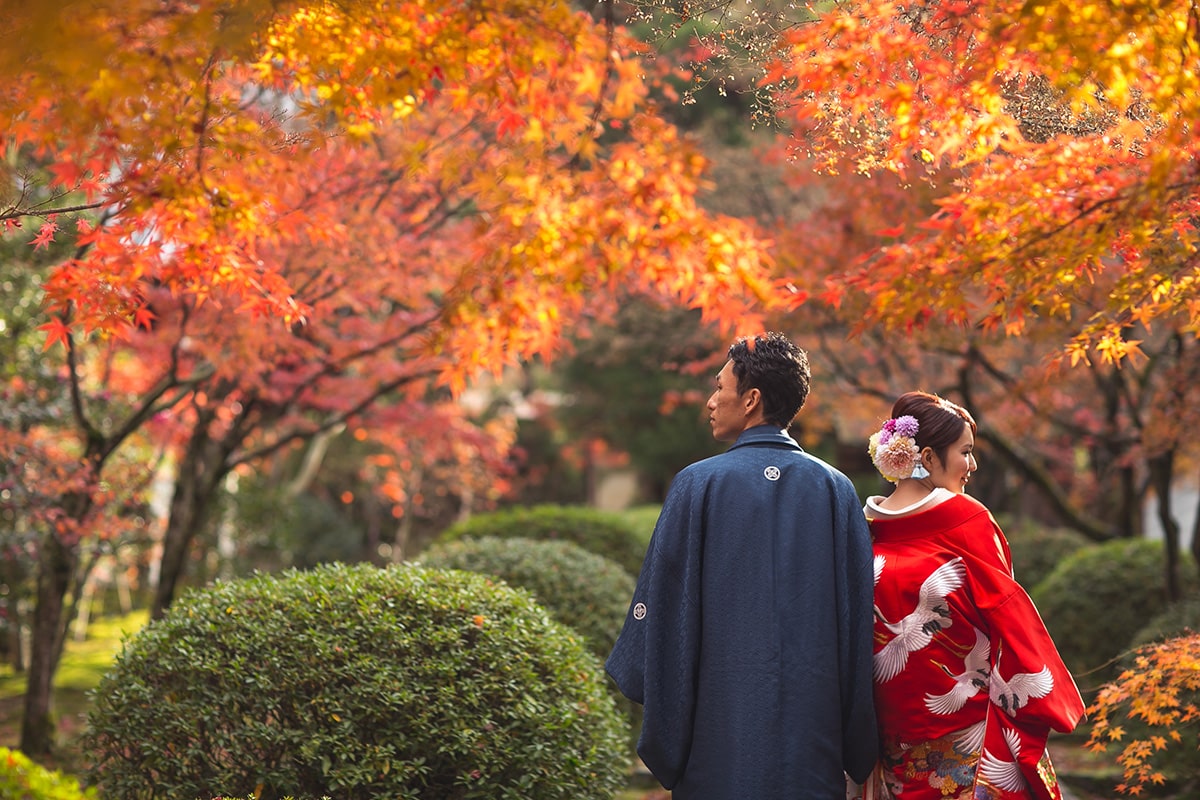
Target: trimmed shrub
22,779
1179,619
584,591
604,533
356,682
1038,549
1098,598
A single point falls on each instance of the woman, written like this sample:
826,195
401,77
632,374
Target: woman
968,683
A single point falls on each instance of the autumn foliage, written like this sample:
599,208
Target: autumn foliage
195,127
1161,691
1060,139
291,219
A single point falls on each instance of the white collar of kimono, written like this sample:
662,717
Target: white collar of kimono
938,495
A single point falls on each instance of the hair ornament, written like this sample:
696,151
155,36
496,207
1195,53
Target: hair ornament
893,450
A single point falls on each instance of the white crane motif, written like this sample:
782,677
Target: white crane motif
973,679
917,629
1015,693
1003,774
970,740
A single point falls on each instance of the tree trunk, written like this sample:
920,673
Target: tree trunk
56,566
1161,472
12,575
1196,535
205,464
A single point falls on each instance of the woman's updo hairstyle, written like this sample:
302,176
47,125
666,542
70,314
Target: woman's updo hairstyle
940,422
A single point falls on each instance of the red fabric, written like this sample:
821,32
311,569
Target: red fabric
944,657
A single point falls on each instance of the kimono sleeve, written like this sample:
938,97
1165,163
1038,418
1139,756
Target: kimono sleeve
654,661
1030,688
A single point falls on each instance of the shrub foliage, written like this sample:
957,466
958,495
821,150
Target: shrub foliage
1097,600
1037,549
604,533
356,682
1179,619
584,591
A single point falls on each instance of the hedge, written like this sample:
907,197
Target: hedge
586,592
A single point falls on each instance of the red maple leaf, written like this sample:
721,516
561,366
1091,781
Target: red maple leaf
45,235
56,331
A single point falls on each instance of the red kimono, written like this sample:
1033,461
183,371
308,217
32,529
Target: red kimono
968,683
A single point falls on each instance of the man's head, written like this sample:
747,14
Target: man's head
765,381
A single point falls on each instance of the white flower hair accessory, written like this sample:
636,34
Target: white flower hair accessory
893,450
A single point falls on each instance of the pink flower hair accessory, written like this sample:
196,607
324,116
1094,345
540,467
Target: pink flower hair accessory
894,452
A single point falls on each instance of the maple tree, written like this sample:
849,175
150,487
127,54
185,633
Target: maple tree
1095,441
988,171
1161,692
1089,104
1058,135
291,216
67,496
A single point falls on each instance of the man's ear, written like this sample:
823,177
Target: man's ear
752,400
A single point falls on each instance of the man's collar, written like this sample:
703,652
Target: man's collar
769,435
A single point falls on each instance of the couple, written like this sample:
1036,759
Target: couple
784,645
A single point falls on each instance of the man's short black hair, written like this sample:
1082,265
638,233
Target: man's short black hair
773,364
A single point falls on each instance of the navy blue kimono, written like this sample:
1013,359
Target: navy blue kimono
748,640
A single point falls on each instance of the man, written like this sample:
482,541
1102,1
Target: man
748,640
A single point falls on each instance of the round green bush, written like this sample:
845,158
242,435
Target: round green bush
604,533
584,591
23,779
356,682
1098,598
1038,549
1180,618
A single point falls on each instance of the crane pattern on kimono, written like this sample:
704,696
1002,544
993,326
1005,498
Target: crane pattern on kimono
974,678
916,630
1001,772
